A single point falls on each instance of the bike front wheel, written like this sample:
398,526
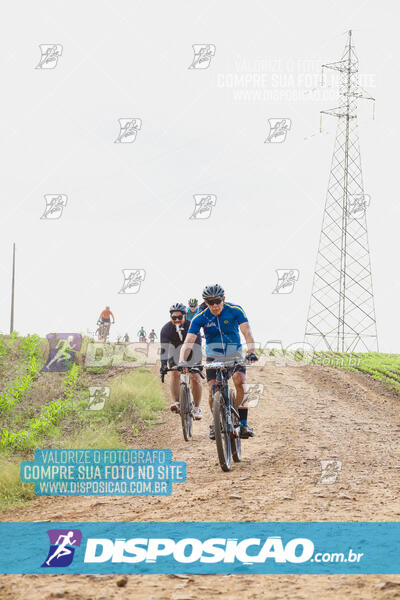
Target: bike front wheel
222,437
186,412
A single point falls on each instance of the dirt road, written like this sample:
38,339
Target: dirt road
306,414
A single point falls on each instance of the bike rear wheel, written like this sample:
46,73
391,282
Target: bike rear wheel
236,441
186,412
222,437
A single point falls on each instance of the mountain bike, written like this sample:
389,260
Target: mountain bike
186,404
225,415
103,331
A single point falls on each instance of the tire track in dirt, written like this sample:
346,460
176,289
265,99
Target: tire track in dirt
306,414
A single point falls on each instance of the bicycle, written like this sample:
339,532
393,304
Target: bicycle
225,415
186,404
103,331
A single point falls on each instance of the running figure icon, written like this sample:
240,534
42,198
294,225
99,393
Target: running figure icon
62,549
64,354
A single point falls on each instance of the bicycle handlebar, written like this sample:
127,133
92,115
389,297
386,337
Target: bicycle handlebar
210,365
193,369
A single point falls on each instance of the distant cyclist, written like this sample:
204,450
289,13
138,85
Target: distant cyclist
172,337
105,316
126,338
221,322
141,334
152,336
193,309
105,320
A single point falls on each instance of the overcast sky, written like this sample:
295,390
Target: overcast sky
202,132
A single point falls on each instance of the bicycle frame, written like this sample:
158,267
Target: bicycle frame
222,386
186,400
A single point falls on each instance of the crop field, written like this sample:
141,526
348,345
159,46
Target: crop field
40,409
378,365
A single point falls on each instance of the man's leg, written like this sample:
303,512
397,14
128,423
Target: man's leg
239,380
210,384
174,387
197,389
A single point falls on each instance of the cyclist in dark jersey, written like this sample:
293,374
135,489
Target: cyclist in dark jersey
221,322
172,336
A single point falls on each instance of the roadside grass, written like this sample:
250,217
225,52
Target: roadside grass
135,402
13,492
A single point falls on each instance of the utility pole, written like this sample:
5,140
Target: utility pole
341,315
12,292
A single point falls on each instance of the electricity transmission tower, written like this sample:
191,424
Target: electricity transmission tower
341,314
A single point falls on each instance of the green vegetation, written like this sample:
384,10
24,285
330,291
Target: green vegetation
52,410
30,347
51,413
383,367
13,492
134,396
380,366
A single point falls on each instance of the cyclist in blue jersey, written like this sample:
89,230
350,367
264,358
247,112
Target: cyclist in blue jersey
221,322
193,309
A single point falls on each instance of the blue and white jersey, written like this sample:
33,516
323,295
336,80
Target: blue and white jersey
221,331
190,315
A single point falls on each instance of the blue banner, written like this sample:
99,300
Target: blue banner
103,472
201,548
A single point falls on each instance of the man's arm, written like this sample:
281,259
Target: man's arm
165,347
187,346
248,336
112,314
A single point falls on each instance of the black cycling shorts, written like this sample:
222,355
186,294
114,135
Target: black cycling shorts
212,373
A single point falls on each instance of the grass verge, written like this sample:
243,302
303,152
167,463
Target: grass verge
135,401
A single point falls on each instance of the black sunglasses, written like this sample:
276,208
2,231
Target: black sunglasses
177,318
216,301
